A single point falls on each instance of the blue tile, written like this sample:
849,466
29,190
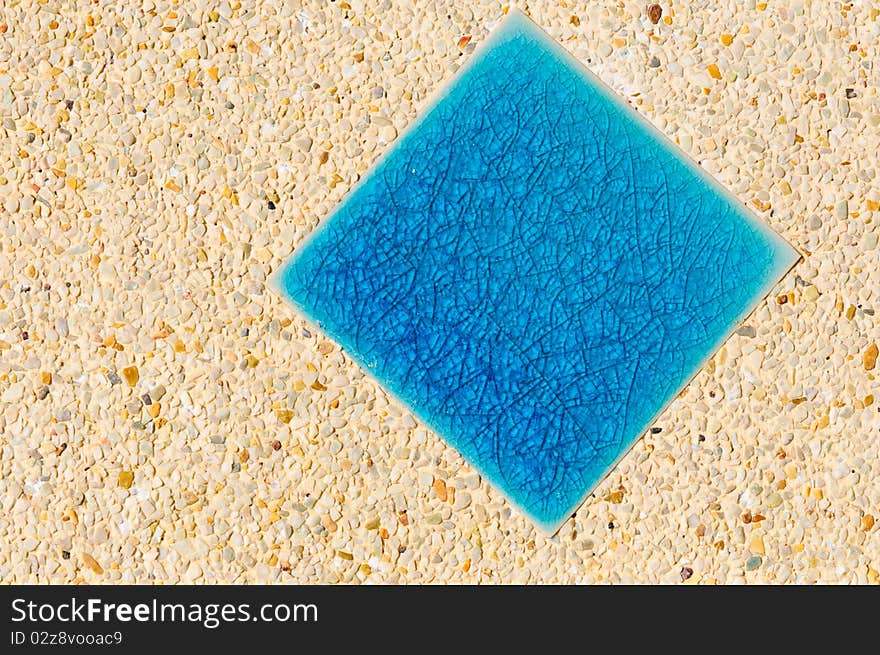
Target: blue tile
534,271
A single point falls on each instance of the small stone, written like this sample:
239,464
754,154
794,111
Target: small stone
440,489
433,519
46,377
774,500
113,378
372,524
654,62
42,392
125,479
753,562
284,415
726,39
867,522
756,544
157,392
841,210
714,71
869,357
276,445
92,563
686,573
131,375
462,500
811,293
655,13
388,133
746,331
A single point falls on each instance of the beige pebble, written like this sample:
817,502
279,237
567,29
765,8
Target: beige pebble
756,544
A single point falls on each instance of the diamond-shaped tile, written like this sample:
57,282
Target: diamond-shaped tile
534,271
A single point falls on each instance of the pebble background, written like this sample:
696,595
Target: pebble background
164,418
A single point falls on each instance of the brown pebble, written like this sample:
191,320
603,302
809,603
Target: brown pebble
781,299
46,377
92,563
125,479
655,12
867,522
869,357
276,445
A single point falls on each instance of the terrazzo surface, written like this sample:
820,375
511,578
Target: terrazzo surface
526,257
165,418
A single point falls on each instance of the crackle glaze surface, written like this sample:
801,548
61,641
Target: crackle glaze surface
534,271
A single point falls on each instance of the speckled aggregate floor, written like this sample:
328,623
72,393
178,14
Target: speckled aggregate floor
164,418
